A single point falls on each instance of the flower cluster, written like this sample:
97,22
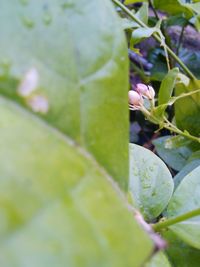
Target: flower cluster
136,97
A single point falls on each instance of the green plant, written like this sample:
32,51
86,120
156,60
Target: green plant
67,197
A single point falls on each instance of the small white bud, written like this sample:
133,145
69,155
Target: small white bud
151,92
135,99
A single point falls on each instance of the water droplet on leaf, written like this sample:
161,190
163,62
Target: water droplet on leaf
47,18
24,2
29,23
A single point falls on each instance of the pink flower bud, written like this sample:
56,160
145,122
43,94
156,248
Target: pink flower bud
151,92
146,91
135,100
141,88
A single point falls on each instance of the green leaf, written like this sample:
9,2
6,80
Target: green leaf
176,141
150,184
141,33
187,109
128,2
165,93
179,253
158,260
141,14
176,20
174,7
80,78
185,199
176,158
57,205
186,170
167,86
195,155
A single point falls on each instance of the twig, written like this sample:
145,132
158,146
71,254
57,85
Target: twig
155,35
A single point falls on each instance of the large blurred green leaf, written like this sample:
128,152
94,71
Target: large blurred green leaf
78,51
185,199
187,109
151,183
58,207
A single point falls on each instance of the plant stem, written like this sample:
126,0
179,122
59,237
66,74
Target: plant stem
180,40
167,125
155,35
154,10
168,222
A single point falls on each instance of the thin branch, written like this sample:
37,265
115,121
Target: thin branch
169,222
155,35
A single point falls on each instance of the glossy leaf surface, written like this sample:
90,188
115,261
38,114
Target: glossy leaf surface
58,206
174,157
186,199
187,109
150,184
77,49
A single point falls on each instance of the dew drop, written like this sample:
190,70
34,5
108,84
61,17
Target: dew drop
29,23
67,5
24,2
47,18
151,168
146,186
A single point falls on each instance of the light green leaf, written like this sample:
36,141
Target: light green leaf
77,50
165,93
186,170
176,141
179,253
173,7
158,260
141,33
150,184
57,206
167,86
187,109
141,14
185,199
128,2
176,158
195,155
